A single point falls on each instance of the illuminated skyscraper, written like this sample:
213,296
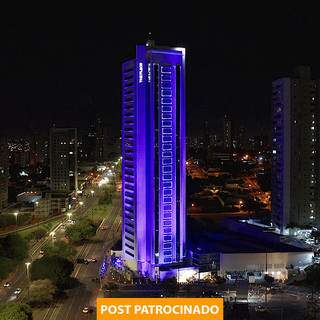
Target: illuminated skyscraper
154,159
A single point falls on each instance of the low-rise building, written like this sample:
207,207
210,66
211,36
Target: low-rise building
241,249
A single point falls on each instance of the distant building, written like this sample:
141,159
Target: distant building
89,144
39,149
42,208
227,133
100,140
19,152
242,138
295,151
258,143
29,196
94,143
63,160
4,172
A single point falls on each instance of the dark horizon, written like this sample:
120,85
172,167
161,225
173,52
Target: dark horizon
67,71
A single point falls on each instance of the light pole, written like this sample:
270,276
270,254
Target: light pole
52,234
28,276
69,214
92,193
16,215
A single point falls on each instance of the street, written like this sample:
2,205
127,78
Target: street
19,278
87,292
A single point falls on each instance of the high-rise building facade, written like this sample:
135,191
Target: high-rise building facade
100,140
295,152
227,133
94,142
63,160
39,149
4,172
242,139
154,159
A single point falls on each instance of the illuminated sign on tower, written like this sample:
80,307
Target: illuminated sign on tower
154,159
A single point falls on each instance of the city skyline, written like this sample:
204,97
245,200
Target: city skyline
185,168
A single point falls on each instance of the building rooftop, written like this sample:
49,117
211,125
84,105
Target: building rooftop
224,240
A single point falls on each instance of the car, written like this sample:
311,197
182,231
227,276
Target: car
85,310
104,228
92,260
7,285
81,260
261,309
41,252
17,291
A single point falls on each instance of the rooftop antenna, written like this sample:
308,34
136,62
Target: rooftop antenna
150,42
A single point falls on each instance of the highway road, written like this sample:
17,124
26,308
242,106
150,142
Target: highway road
19,278
86,294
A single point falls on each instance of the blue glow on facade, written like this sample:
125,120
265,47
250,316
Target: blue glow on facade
103,268
154,159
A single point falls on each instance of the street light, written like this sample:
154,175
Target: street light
28,276
52,234
16,215
27,266
92,192
69,214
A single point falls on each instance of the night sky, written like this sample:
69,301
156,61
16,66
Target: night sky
65,68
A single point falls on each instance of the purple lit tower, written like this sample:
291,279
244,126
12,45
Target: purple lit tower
154,159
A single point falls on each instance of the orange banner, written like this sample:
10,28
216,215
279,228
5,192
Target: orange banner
160,308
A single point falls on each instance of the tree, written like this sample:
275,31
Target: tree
23,218
6,266
316,235
106,199
59,248
111,286
15,311
84,229
41,292
39,233
170,285
55,268
14,247
269,280
7,220
313,276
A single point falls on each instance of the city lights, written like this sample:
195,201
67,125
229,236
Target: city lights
16,215
103,182
124,175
